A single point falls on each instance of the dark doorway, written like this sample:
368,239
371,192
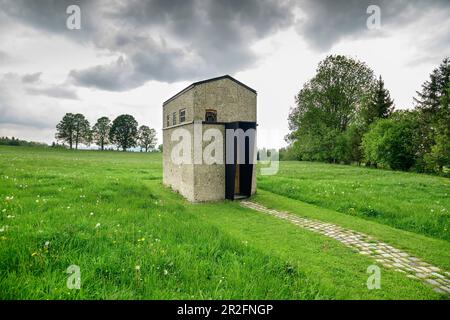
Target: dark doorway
237,189
238,176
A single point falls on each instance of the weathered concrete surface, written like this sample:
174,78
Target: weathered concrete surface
233,102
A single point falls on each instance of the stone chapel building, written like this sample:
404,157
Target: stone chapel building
229,106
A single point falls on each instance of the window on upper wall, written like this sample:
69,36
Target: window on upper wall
211,115
167,120
174,118
182,115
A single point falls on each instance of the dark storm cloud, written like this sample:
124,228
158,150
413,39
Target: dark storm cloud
50,15
16,109
182,40
54,92
329,21
160,40
34,86
32,77
172,41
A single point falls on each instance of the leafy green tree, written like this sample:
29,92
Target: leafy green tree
435,90
73,129
348,146
146,138
100,132
82,130
288,153
380,104
124,132
439,155
392,142
433,105
65,129
327,105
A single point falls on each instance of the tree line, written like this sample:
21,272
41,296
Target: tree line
6,141
123,132
346,115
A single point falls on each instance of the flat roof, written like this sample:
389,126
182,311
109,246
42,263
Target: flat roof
209,80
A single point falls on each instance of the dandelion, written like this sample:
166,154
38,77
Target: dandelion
137,268
97,225
91,213
46,244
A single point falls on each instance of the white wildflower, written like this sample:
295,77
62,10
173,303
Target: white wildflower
97,225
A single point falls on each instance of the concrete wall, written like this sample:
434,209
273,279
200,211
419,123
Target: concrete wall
180,177
233,102
183,101
209,183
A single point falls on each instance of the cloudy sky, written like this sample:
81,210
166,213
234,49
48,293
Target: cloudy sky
130,56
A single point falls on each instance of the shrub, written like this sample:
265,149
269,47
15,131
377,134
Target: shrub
391,142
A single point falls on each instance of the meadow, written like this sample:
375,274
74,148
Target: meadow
409,201
132,238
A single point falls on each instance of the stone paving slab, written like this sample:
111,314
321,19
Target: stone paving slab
385,254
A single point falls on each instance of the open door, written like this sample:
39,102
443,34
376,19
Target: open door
238,176
237,189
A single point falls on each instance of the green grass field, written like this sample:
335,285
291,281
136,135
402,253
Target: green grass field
109,214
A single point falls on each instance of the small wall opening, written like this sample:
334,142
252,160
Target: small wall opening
211,115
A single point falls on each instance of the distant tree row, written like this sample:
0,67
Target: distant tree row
123,132
17,142
345,115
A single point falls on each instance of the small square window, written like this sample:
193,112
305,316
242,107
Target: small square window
174,119
182,115
211,115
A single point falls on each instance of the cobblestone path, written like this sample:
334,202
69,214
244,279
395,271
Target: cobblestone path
383,253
